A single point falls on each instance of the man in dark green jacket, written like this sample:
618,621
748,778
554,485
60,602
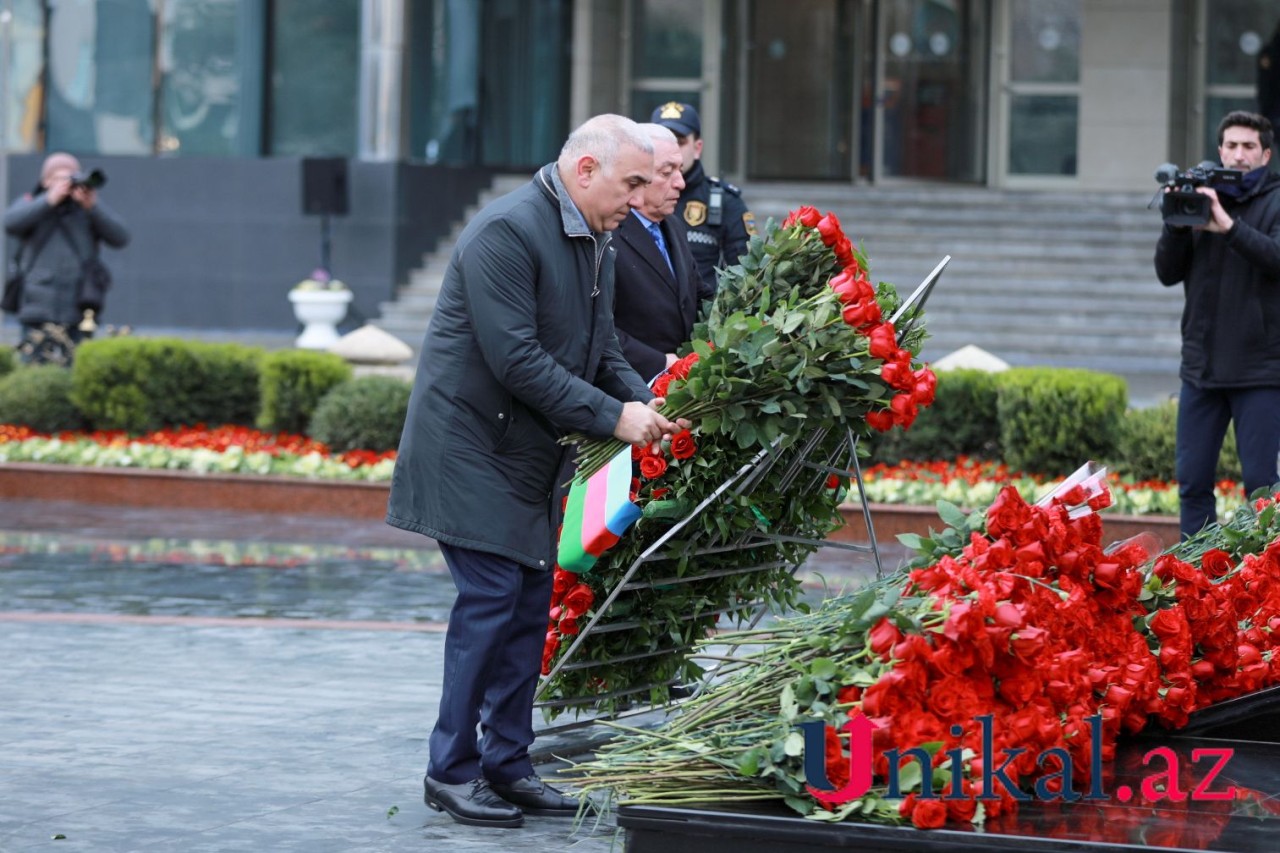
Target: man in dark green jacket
521,350
1230,269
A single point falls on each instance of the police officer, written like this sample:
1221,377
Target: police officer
717,219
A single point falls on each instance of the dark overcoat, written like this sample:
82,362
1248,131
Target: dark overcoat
1231,319
656,307
521,350
62,237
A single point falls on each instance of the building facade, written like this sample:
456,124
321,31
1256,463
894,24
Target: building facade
202,110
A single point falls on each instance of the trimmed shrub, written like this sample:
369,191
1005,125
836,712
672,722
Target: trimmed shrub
1145,447
961,422
293,383
39,397
1147,444
8,361
143,384
365,413
1052,420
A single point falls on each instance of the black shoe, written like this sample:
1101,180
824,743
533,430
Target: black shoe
472,803
534,796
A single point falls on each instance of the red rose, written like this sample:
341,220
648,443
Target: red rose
883,636
577,601
898,375
562,583
833,481
682,446
660,385
843,249
926,386
883,341
880,421
805,215
924,814
829,228
1007,513
1216,563
653,467
549,651
680,370
864,313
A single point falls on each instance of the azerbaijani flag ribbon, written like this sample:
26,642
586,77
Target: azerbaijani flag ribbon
598,513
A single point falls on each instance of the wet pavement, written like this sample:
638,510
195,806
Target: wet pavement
218,681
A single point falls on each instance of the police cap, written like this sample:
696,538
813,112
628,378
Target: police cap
680,119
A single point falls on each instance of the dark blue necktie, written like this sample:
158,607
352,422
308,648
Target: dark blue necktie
662,244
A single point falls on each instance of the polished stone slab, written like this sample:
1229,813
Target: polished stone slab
1247,822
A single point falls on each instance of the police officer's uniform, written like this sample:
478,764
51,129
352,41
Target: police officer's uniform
716,218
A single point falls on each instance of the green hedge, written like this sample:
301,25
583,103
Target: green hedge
143,384
366,413
293,383
961,422
39,397
1146,446
8,361
1054,419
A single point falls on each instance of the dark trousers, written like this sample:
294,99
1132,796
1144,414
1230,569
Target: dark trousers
492,658
1203,415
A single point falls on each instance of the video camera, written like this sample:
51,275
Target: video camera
90,180
1182,205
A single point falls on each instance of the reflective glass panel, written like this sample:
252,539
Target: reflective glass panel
667,38
1043,130
1045,41
23,89
489,81
315,70
930,92
211,66
99,98
801,78
1238,31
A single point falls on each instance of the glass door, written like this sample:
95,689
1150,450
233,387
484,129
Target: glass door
927,73
800,79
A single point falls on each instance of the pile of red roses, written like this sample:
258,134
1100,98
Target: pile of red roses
1017,616
1044,628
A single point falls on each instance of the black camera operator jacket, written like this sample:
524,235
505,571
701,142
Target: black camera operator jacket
52,281
1231,320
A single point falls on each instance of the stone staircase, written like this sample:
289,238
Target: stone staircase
407,315
1036,278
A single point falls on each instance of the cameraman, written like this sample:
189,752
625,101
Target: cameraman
1230,267
59,227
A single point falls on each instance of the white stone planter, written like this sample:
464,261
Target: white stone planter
320,312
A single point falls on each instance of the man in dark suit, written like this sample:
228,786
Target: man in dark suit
658,287
520,351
